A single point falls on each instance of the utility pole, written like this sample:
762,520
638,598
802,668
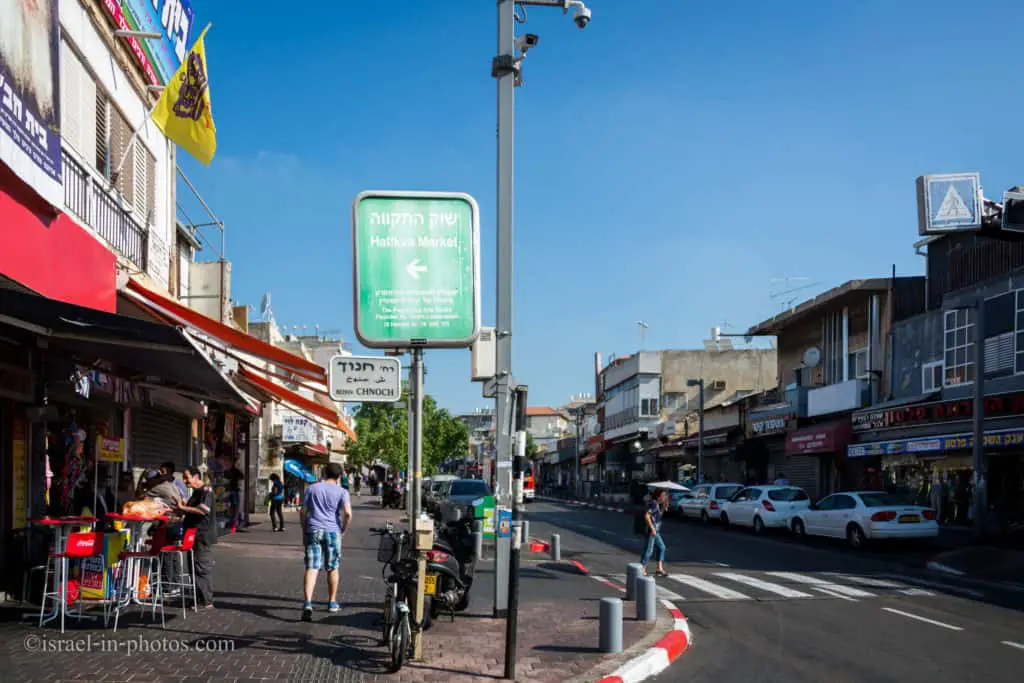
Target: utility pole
699,383
505,73
506,68
415,479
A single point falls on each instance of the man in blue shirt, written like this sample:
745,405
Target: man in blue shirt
326,515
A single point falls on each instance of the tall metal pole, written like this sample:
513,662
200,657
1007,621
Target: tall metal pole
512,621
503,364
410,437
700,432
414,480
579,438
980,465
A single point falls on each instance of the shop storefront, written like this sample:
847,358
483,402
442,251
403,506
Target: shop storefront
764,451
816,459
924,450
719,447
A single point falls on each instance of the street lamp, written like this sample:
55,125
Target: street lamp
643,333
581,413
700,425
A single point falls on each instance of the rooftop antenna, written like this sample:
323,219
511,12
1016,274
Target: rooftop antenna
643,333
781,287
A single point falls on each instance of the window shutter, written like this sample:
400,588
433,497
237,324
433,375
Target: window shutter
78,103
139,192
102,134
150,186
70,99
120,135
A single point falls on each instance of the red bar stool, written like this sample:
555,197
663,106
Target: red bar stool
79,546
130,573
186,571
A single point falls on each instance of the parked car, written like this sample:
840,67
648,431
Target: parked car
707,501
460,494
676,500
860,516
763,507
437,492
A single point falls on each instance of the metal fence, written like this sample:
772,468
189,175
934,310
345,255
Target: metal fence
90,199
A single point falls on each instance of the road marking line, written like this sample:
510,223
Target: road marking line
663,593
832,593
926,620
864,580
607,532
776,588
712,588
1019,646
586,526
821,583
938,585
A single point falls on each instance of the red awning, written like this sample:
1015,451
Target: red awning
236,339
301,402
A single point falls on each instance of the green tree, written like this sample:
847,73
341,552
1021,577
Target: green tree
382,435
531,447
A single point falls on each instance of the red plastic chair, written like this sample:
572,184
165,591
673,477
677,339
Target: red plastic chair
80,545
186,579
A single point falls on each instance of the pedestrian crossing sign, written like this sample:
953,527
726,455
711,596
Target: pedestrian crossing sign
949,203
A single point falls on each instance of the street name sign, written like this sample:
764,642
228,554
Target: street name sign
416,269
365,379
949,203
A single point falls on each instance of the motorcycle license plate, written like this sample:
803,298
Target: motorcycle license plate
430,586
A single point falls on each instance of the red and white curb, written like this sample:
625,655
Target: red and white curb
659,656
581,504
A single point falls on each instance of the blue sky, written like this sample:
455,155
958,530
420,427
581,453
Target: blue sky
671,159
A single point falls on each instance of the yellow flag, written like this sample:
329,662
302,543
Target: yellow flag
183,112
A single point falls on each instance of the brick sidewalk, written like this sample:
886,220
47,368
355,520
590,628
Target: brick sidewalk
258,595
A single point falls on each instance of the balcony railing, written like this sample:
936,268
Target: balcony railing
87,197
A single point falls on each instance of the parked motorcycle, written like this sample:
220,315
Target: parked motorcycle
450,567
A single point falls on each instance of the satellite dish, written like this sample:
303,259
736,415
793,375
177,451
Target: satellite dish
812,357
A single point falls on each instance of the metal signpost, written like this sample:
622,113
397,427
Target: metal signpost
365,379
416,285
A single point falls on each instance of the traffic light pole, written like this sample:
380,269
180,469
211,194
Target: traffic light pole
519,464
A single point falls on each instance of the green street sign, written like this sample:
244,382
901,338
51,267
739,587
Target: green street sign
416,266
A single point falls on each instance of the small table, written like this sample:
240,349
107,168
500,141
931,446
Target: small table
61,529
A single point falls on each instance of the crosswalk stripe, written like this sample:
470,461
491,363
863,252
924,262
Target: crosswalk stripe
663,593
753,582
824,586
865,580
712,588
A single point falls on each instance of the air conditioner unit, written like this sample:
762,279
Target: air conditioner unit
716,385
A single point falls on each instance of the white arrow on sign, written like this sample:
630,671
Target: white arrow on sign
415,268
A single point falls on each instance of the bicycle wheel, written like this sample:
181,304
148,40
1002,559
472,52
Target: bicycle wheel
401,641
389,614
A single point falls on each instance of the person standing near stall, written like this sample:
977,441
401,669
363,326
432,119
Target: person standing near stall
276,502
199,515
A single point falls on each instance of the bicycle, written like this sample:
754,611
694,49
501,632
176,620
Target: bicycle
394,552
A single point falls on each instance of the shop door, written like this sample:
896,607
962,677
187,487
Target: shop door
804,471
158,437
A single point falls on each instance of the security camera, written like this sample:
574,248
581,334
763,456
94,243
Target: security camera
581,16
526,41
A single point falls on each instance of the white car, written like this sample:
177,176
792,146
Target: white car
706,501
763,507
860,516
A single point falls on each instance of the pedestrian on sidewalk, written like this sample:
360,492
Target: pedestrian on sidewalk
326,514
199,515
276,502
655,545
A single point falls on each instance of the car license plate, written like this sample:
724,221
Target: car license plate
430,586
905,519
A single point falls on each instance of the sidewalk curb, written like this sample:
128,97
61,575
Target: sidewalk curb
659,656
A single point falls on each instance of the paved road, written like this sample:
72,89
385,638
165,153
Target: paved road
765,609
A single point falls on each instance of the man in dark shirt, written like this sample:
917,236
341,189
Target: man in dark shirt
199,515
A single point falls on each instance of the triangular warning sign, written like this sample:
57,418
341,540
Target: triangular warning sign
953,208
